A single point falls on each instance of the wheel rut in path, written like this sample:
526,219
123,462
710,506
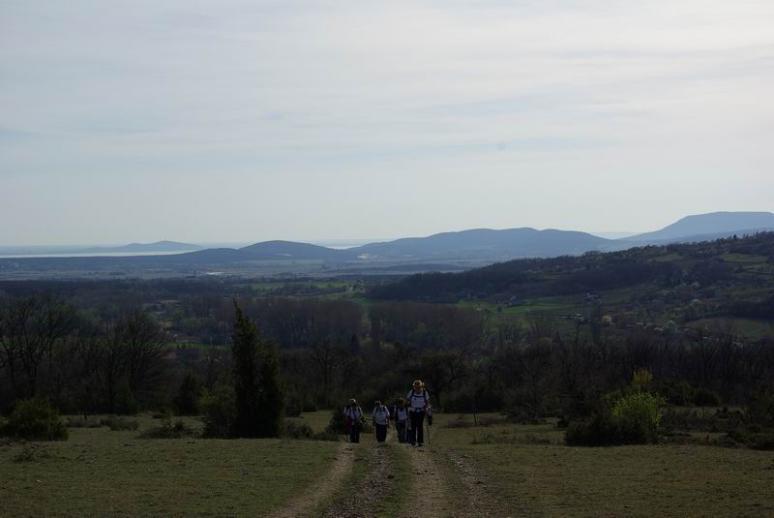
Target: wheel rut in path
478,498
313,497
362,500
431,495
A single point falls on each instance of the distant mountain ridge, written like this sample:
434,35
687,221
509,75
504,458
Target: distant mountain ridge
480,244
461,249
717,224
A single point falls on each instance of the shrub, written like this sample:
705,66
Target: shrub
296,430
679,393
600,430
119,424
632,419
219,411
637,417
35,419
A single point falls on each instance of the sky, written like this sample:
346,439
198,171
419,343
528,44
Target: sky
242,121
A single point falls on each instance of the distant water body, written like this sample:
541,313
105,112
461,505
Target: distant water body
338,244
94,254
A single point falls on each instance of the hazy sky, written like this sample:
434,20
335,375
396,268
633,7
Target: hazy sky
246,120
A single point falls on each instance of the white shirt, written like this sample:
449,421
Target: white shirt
381,415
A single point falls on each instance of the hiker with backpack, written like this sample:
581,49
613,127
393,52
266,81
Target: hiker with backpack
381,421
353,419
418,407
401,416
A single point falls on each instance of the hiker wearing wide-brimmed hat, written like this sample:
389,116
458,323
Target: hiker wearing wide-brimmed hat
353,419
418,407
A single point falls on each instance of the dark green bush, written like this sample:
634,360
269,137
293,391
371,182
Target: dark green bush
296,430
600,430
34,420
219,411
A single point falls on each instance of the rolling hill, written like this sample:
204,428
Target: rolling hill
704,227
678,272
455,250
485,245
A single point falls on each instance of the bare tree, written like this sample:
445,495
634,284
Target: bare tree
30,330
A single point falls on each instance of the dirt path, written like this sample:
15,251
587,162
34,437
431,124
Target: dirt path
478,499
431,495
362,499
306,504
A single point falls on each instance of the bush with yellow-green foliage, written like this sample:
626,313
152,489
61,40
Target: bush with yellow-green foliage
631,418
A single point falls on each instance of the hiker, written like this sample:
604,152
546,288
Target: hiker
381,418
353,418
400,414
418,407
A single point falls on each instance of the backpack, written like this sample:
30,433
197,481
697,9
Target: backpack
413,396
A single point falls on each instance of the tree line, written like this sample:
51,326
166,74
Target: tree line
328,351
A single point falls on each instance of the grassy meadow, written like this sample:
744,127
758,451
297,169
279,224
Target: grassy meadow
103,472
531,472
517,470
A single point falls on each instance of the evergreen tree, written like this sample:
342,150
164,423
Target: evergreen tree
257,390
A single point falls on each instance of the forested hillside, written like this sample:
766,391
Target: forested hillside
734,276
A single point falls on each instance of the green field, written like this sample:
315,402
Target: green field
497,470
101,472
532,474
